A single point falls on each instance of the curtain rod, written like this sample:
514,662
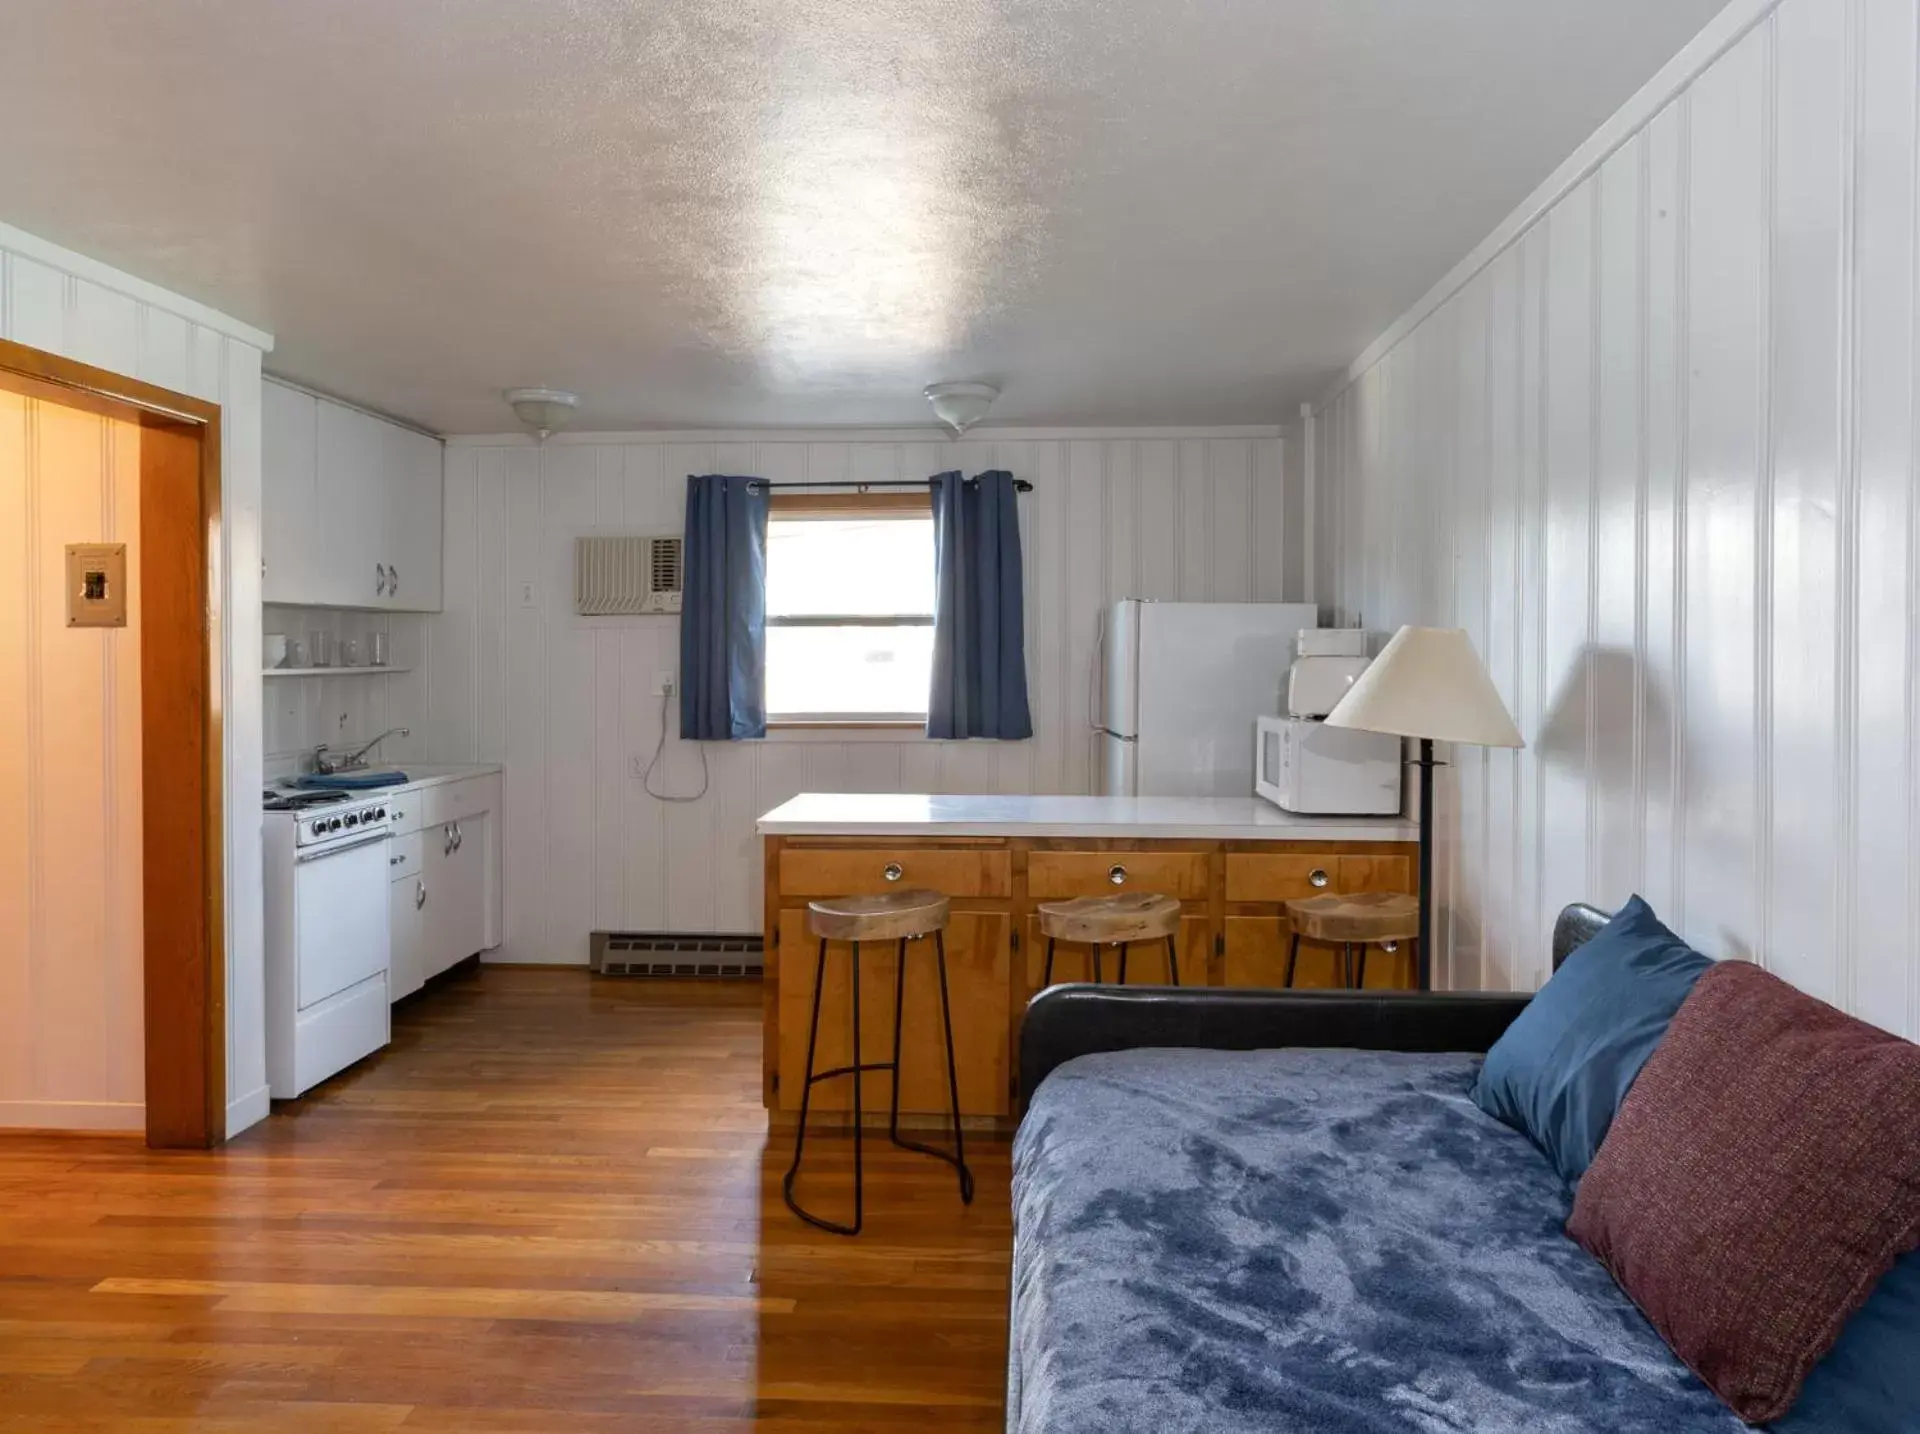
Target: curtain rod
1020,485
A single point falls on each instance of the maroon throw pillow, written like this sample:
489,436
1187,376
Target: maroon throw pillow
1761,1176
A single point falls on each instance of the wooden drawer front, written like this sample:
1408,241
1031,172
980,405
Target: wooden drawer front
1054,875
860,871
1259,877
1378,873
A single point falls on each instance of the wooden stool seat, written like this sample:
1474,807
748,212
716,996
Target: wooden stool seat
1111,920
1370,918
1118,920
889,916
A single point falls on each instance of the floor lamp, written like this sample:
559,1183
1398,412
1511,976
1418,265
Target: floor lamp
1428,683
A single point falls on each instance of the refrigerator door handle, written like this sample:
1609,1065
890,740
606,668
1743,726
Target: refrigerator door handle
1118,737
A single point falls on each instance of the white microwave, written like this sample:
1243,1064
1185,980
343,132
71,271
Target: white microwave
1308,767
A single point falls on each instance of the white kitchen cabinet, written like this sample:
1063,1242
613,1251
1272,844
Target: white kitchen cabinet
289,452
445,863
351,507
407,918
454,859
414,538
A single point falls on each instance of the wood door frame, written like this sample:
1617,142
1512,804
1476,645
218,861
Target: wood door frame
183,839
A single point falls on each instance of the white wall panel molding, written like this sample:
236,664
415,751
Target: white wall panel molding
514,675
1663,434
104,278
1727,29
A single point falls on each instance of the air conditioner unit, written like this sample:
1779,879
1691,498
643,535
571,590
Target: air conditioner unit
614,577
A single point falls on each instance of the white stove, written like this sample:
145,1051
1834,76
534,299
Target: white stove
327,934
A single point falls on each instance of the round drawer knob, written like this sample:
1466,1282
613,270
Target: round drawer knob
893,871
1117,875
1317,877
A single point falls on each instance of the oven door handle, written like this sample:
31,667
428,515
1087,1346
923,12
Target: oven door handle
324,852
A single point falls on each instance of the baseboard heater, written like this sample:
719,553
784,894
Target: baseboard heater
667,953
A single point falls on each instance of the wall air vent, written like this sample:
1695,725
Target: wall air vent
661,953
627,577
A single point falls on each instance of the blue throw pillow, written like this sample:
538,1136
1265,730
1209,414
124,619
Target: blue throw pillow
1562,1069
1869,1383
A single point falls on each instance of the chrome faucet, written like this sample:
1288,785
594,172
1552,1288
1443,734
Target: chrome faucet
328,764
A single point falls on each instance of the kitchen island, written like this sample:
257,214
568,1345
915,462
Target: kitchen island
1230,862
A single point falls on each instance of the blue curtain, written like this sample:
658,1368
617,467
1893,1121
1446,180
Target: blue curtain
723,611
979,619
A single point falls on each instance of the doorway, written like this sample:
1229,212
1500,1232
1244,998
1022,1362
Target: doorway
112,971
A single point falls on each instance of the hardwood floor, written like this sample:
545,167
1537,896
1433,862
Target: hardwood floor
550,1205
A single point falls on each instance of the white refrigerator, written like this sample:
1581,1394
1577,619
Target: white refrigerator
1182,684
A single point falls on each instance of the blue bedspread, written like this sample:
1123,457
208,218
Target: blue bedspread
1311,1242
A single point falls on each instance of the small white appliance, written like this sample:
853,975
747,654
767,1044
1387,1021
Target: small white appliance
327,949
1330,660
1181,684
1305,766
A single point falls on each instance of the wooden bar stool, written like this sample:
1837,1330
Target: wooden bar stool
1101,921
900,917
1374,918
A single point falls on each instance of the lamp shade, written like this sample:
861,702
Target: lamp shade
1428,682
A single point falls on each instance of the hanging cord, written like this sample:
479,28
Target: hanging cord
659,751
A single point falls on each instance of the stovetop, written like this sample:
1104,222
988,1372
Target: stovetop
281,801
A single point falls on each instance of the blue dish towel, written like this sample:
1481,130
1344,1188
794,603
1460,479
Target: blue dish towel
351,781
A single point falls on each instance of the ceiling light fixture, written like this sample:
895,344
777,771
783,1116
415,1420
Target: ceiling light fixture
961,405
544,410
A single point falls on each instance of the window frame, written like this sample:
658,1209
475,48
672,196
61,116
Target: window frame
903,504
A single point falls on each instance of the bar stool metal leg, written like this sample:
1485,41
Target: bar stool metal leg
806,1101
1173,963
958,1159
1293,957
1360,977
1099,977
1124,948
1047,978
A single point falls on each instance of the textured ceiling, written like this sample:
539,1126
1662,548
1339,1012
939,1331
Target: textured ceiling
802,211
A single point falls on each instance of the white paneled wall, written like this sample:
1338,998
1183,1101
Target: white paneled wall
566,702
353,707
1658,454
70,305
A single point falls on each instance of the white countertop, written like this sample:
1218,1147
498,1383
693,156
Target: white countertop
421,775
1197,818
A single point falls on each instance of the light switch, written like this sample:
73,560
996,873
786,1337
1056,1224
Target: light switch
96,585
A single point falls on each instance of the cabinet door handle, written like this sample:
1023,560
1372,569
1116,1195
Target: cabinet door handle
419,895
446,841
893,871
1117,874
393,580
459,837
380,579
1318,877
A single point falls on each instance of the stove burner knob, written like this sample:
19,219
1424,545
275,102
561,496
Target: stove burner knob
380,813
333,824
353,820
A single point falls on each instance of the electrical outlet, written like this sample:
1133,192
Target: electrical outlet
662,683
527,598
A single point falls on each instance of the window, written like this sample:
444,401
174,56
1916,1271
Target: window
849,608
